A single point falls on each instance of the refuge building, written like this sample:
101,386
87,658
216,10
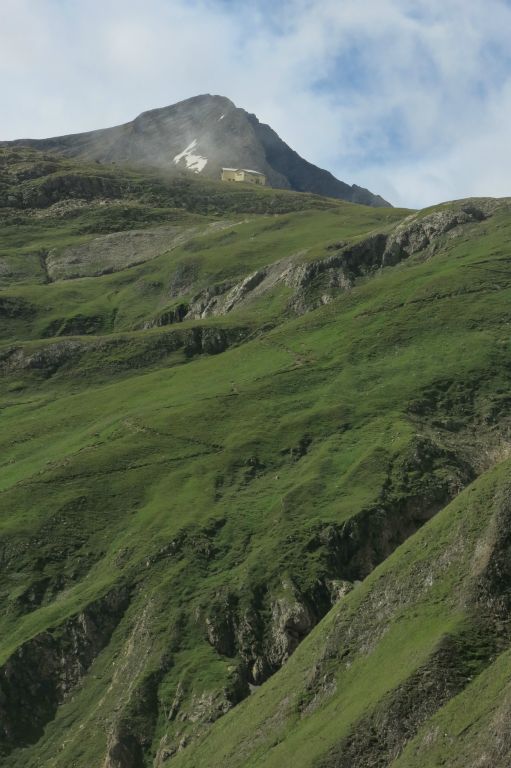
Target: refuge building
243,174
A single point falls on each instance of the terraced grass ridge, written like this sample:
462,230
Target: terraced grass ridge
254,475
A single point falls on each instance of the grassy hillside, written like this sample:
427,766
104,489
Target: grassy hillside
222,410
409,653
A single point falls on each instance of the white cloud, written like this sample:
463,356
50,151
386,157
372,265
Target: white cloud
409,98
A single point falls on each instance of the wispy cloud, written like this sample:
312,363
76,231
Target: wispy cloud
409,98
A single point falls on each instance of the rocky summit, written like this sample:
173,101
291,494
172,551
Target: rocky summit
202,135
255,473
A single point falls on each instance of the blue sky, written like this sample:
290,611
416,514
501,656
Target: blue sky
411,99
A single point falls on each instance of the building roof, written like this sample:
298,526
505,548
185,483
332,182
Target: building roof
247,170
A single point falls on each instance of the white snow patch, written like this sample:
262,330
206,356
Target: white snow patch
221,117
193,162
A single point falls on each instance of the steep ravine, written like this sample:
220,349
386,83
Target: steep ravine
379,737
260,626
45,670
378,684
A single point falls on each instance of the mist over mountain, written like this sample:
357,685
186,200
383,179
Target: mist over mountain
201,135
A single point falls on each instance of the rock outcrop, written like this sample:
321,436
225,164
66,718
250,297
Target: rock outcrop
43,671
419,231
312,283
45,360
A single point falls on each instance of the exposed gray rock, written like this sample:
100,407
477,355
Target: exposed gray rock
417,232
114,252
193,714
313,283
47,359
317,282
169,317
208,302
43,671
124,752
207,707
319,685
220,626
176,702
338,588
291,621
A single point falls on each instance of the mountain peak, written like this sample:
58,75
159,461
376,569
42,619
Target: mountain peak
201,135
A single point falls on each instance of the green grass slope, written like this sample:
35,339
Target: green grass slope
213,431
423,629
